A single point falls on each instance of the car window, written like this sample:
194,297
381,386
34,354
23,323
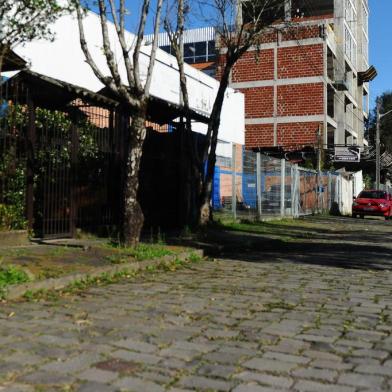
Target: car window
372,195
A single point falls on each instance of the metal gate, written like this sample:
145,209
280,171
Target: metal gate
55,154
78,166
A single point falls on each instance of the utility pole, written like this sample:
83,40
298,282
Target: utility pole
378,158
319,158
378,155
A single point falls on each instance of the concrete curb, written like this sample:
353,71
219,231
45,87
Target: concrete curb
14,238
17,291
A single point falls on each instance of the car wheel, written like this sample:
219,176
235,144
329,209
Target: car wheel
387,218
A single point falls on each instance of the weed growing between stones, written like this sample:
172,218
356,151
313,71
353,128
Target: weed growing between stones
104,279
11,274
140,253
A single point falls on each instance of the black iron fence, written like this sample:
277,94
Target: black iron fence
59,169
62,153
13,158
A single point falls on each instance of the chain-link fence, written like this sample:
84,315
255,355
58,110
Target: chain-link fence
251,185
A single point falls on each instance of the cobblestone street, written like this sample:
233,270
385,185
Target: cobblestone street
317,317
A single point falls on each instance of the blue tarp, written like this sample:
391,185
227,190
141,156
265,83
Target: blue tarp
216,199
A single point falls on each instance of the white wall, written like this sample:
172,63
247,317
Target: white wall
63,59
358,185
344,194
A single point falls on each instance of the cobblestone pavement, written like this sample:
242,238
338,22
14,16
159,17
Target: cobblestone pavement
257,323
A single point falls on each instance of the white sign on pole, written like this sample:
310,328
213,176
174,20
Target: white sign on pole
347,154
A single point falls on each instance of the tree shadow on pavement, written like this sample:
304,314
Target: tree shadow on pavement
356,249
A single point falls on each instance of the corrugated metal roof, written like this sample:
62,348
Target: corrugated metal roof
194,35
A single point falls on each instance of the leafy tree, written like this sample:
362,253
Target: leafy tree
24,20
386,122
385,132
385,125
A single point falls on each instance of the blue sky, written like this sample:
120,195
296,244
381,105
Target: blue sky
380,25
381,45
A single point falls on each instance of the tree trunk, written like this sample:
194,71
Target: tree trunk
205,211
3,51
133,218
190,160
193,175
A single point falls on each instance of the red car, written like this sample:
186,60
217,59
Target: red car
376,203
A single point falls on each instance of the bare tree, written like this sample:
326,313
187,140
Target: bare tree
24,20
133,93
190,164
241,25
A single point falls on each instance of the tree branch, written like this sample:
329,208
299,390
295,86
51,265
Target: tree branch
154,48
111,62
106,81
139,41
120,28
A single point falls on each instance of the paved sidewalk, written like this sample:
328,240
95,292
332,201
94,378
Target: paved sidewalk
256,322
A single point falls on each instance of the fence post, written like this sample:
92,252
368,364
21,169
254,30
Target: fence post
293,179
74,162
31,140
258,183
329,191
233,183
282,186
297,194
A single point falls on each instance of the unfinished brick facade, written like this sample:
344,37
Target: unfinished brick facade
283,84
300,99
302,84
307,82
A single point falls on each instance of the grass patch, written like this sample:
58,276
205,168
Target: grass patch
106,278
140,253
11,274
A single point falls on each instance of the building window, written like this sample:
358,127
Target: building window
350,46
211,51
365,51
167,49
350,16
365,19
196,52
199,52
305,8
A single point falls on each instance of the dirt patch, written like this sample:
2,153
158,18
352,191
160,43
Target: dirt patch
43,261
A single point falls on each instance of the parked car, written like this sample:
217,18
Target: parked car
371,202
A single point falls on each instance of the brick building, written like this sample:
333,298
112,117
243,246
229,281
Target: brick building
309,85
306,86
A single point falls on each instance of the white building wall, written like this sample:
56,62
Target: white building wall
344,194
358,185
63,59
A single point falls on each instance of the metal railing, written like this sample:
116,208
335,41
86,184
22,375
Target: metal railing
257,186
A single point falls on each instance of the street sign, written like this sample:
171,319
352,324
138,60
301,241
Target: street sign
347,154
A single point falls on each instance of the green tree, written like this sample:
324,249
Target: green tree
24,20
385,125
385,132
